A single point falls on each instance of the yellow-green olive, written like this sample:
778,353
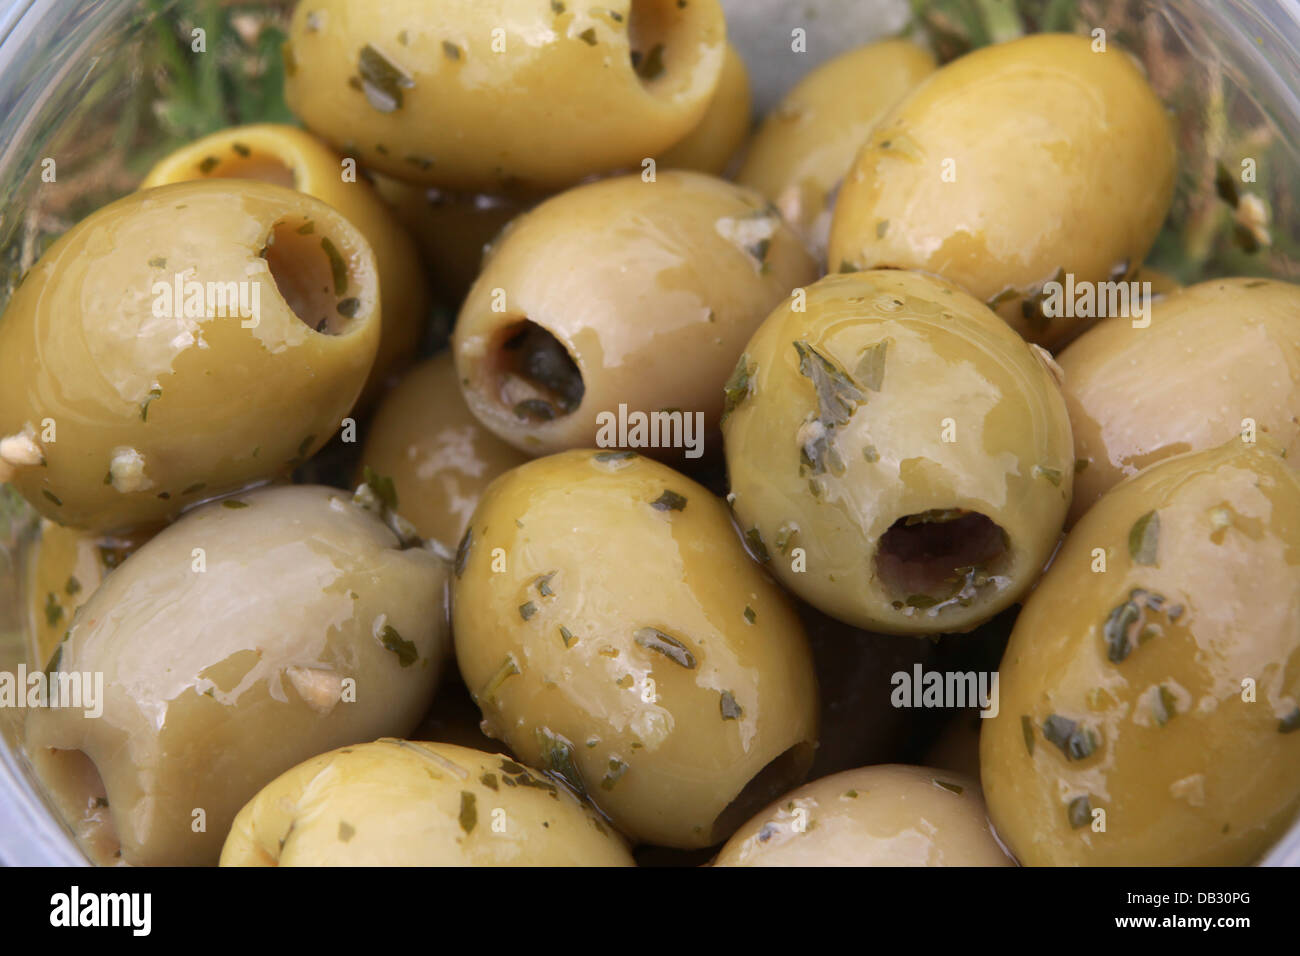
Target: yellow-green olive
438,456
1214,360
618,301
899,454
614,631
289,157
412,803
251,634
806,145
452,229
1010,168
387,82
888,815
182,342
63,569
1150,694
717,138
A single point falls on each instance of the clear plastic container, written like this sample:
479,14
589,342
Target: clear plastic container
80,82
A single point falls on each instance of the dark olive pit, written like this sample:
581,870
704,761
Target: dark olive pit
538,379
930,557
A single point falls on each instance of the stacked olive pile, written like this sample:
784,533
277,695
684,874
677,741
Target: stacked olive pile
903,455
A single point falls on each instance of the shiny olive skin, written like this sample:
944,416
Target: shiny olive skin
248,636
1129,693
121,417
711,145
1214,355
439,457
289,157
1009,166
612,628
63,569
451,229
647,290
385,82
866,483
887,815
410,803
807,144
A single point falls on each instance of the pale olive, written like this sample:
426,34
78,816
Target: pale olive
250,635
1010,168
409,803
179,343
288,156
438,456
901,457
447,94
807,143
614,631
1150,694
887,815
1215,360
623,298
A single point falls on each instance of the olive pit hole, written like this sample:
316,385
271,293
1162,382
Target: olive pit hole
780,776
312,275
655,34
75,786
941,555
537,379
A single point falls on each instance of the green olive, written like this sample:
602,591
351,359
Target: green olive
806,145
123,400
452,229
63,568
407,803
438,456
1215,360
898,452
250,635
387,82
289,157
1009,168
888,815
614,631
623,293
1150,694
711,145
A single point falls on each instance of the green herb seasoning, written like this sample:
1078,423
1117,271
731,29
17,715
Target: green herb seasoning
1126,627
158,262
1164,705
669,501
871,366
508,669
450,50
208,165
607,456
241,149
234,504
729,708
462,552
670,647
489,780
652,65
73,586
1225,185
155,393
404,649
338,268
870,454
566,635
349,307
1290,722
588,36
1080,811
1075,740
382,80
754,538
557,758
468,811
1027,728
1144,538
543,584
51,496
381,485
955,788
783,536
306,229
346,831
750,616
1051,474
615,772
882,227
737,388
527,610
1081,465
53,610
